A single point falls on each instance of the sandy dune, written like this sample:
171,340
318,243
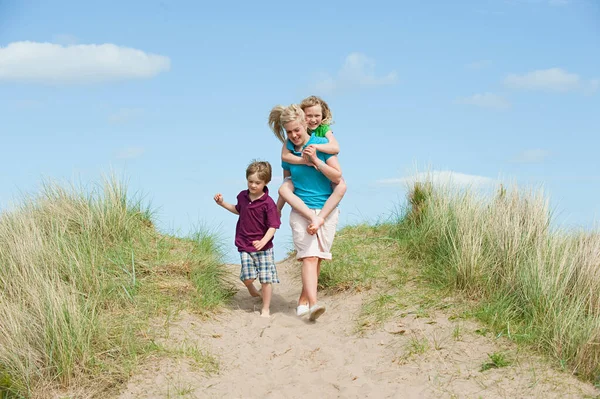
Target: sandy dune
289,357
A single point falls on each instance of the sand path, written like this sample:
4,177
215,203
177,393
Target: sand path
289,357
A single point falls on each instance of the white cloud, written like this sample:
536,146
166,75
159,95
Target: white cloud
485,100
479,64
130,153
442,178
124,115
536,155
358,71
553,79
77,64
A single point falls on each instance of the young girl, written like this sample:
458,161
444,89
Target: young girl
318,118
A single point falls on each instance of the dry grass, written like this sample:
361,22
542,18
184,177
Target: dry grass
79,281
534,283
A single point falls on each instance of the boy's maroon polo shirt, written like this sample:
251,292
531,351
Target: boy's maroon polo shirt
256,217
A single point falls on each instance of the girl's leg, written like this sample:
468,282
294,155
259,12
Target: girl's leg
251,288
267,291
332,202
286,191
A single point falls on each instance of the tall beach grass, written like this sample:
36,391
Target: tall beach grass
534,282
72,261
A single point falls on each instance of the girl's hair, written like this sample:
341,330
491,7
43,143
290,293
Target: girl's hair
314,100
281,115
261,168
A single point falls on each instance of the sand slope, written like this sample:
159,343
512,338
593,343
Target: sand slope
289,357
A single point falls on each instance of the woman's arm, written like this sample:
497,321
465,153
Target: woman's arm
331,169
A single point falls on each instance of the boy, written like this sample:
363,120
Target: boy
259,218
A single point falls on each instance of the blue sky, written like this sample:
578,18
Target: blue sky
175,96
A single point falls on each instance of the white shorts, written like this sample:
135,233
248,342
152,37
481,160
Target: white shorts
317,245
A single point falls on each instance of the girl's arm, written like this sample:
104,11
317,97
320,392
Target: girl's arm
333,147
287,156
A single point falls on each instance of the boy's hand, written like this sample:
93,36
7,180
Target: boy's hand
258,245
219,199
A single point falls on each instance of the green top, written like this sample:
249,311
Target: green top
321,130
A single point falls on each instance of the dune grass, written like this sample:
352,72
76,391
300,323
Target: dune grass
81,272
364,256
536,284
532,282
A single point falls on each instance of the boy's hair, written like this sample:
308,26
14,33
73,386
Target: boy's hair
314,100
261,168
281,115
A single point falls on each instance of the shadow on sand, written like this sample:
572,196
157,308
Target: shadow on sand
243,301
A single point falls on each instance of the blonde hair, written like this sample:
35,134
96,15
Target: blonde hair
261,168
281,115
314,100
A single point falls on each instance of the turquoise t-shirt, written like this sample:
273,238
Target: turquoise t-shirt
312,186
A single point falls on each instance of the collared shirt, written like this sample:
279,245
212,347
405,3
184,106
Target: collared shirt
312,186
256,217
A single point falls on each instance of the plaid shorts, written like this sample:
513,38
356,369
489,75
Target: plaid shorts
259,264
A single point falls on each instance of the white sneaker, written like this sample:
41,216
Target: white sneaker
316,311
301,310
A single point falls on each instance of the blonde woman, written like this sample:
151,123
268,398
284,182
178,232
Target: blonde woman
313,185
318,119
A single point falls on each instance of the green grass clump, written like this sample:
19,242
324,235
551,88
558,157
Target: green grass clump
208,275
497,360
534,283
362,257
80,274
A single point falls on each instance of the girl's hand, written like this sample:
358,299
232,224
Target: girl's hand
310,154
258,245
219,199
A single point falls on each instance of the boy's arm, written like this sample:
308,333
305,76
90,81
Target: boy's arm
287,156
333,147
268,235
230,207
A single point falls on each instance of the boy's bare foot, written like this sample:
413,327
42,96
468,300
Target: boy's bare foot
316,223
265,313
253,292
